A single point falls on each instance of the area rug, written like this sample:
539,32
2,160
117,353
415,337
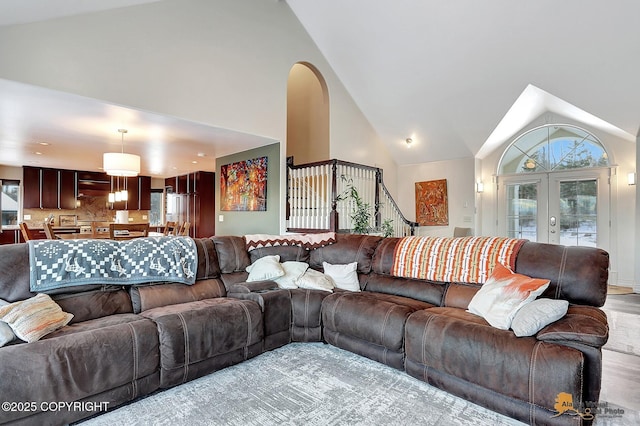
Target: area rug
303,384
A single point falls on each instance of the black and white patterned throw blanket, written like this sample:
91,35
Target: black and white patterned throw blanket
56,264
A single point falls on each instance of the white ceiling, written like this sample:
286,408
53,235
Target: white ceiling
459,77
446,73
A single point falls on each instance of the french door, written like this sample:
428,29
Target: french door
564,207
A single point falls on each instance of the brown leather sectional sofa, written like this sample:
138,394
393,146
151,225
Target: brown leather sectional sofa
124,342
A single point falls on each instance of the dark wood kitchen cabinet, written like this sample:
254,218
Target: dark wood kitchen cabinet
139,193
46,188
191,198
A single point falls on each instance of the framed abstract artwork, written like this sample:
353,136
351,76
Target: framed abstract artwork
432,204
243,185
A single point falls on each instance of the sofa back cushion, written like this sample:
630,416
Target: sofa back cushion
152,296
14,279
208,266
347,249
286,253
92,304
232,254
577,274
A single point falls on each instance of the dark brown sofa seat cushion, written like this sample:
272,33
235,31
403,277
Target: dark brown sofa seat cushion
446,343
369,324
78,365
200,337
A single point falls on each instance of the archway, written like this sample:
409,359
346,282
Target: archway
307,115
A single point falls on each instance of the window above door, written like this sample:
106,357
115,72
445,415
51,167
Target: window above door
553,147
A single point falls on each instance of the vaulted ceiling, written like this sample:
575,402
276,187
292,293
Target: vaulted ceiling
459,77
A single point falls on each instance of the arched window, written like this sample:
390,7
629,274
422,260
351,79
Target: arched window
553,147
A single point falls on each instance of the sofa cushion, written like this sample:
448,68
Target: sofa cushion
152,296
585,325
265,268
371,317
14,280
193,336
232,254
97,303
344,277
577,274
315,280
34,318
293,271
442,347
503,294
79,365
208,266
348,248
536,315
286,253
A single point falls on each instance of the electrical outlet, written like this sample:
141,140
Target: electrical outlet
144,217
27,217
221,218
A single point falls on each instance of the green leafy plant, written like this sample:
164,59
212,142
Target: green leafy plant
361,215
387,228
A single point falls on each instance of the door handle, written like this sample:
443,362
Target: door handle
552,221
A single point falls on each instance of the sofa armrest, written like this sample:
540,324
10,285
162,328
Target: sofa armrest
275,304
582,324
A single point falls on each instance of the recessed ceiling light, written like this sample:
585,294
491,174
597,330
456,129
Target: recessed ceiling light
194,162
201,154
37,153
44,143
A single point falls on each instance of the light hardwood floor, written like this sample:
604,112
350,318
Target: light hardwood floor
621,359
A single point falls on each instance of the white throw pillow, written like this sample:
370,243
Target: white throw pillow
315,280
536,315
292,272
6,333
344,277
503,294
265,268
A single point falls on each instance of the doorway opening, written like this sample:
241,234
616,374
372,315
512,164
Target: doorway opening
554,187
307,115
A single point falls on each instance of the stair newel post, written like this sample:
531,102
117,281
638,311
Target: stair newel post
333,216
377,214
288,195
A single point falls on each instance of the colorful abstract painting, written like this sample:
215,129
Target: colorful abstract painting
432,204
243,185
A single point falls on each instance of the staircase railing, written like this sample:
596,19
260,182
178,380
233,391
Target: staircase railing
314,202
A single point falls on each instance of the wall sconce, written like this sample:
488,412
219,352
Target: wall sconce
479,187
409,141
631,178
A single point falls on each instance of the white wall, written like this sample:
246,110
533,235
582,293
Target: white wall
218,62
623,245
460,191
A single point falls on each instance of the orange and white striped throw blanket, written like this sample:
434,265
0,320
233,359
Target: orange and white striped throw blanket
465,260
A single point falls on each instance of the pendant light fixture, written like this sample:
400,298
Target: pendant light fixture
123,165
120,163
